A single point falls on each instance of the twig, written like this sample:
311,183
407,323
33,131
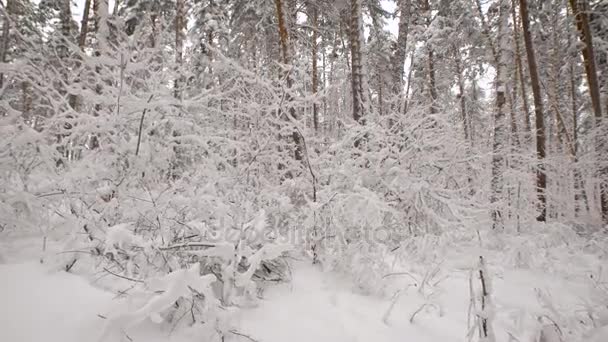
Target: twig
243,335
400,273
187,245
70,265
141,125
123,277
420,309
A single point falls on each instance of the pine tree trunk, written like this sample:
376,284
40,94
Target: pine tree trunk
406,101
499,118
431,61
358,75
541,177
180,24
315,77
401,50
580,10
520,72
82,38
6,28
461,94
286,60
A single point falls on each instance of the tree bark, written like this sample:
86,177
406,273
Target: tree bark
358,75
82,38
6,28
401,50
461,95
580,9
286,60
315,77
541,177
431,61
499,118
520,72
180,25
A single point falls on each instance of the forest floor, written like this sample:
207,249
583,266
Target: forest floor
41,304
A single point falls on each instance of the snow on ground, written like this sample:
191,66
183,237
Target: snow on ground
320,307
38,304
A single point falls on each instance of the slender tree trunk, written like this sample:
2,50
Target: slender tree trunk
579,189
580,9
541,177
5,36
286,60
461,94
499,117
315,78
402,36
486,31
180,24
116,7
431,61
82,38
520,71
358,74
409,83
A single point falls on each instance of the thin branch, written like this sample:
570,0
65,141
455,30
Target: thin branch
123,277
141,124
243,335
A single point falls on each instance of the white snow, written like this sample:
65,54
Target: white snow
38,304
320,307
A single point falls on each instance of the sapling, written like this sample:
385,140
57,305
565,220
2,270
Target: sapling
481,304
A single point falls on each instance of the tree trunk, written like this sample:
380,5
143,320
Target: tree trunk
82,38
580,9
406,101
461,94
520,72
6,28
431,61
286,60
315,77
358,75
180,24
402,36
499,117
541,177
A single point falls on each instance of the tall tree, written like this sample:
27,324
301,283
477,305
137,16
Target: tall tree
499,115
405,8
358,74
180,26
426,7
6,13
313,12
541,177
580,10
286,56
520,70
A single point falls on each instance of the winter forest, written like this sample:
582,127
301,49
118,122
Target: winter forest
303,170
